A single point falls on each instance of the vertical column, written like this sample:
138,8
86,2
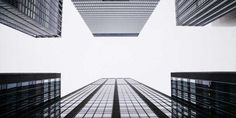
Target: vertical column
116,105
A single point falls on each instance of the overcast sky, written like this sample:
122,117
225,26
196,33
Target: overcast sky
161,48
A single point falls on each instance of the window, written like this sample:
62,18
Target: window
12,85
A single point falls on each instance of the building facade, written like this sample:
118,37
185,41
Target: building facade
119,98
109,98
115,18
114,98
22,92
38,18
201,12
214,93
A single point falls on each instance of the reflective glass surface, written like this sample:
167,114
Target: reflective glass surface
38,18
216,97
16,98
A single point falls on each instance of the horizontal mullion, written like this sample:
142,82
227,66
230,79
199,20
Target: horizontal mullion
219,11
21,23
196,12
214,8
115,2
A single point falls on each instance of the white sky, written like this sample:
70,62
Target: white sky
161,48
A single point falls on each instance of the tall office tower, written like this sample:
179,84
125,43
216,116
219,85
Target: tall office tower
21,93
115,18
213,92
114,98
38,18
202,12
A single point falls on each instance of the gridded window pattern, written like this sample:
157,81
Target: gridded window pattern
115,17
201,12
160,101
22,96
131,105
70,102
182,111
60,108
215,96
121,81
184,88
126,97
110,81
50,111
100,81
38,18
100,105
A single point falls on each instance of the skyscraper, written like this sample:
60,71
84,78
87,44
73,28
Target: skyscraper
117,98
38,18
115,18
23,92
201,12
106,98
212,92
114,98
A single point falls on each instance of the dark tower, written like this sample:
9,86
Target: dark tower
38,18
212,92
21,93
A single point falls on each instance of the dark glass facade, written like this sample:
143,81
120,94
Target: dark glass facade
128,98
214,93
201,12
21,93
38,18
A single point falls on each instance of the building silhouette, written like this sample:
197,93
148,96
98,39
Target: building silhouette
201,12
120,98
115,18
38,18
111,98
212,92
114,98
23,92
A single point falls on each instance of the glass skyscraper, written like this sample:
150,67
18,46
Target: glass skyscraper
212,92
201,12
38,18
121,98
113,98
115,18
21,93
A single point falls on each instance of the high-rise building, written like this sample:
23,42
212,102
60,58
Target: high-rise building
118,98
38,18
114,98
115,18
201,12
22,92
212,92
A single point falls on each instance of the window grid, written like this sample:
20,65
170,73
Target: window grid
162,103
33,17
69,104
20,96
100,105
131,105
204,94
